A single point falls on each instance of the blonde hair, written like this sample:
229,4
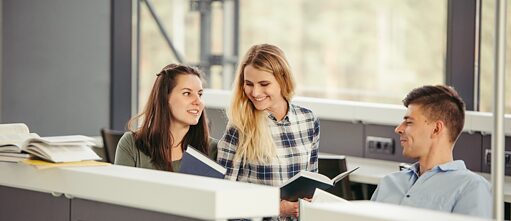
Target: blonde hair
255,142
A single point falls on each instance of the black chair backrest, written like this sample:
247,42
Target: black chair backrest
110,140
403,166
332,166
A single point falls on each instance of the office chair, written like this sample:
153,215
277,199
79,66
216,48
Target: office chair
403,166
331,166
110,140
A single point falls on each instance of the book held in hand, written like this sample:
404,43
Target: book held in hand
196,163
303,184
321,196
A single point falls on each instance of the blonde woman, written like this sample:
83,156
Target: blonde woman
268,140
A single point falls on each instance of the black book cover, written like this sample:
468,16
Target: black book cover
303,187
304,183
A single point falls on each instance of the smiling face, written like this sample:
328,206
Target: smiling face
185,100
415,133
263,90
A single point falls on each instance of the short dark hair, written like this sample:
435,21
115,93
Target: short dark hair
440,102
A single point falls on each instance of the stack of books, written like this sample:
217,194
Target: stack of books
13,157
18,143
12,137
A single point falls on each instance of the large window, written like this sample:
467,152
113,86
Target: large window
361,50
488,57
182,26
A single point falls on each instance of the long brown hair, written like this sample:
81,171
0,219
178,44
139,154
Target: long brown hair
255,139
154,137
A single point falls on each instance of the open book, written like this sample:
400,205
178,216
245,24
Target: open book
16,138
321,196
61,148
196,163
13,157
303,184
12,137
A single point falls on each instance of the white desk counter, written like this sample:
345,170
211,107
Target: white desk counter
171,193
373,211
372,170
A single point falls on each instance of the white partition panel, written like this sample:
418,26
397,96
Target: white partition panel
172,193
372,211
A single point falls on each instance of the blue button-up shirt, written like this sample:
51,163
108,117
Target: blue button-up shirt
449,187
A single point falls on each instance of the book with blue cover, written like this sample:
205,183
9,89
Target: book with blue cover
196,163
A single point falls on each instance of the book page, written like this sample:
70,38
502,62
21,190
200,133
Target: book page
311,175
343,175
321,196
62,153
65,140
17,128
14,142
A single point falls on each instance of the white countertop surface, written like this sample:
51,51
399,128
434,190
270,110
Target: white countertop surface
160,191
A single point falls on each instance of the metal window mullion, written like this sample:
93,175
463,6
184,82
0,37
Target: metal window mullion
205,37
121,66
462,43
498,136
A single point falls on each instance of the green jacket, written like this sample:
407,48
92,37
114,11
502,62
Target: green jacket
127,153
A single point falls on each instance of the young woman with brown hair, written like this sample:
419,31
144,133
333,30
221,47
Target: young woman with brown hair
173,118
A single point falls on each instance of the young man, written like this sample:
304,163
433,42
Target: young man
431,126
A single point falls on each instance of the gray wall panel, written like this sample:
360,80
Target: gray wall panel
386,132
486,145
341,138
122,104
21,205
468,148
336,137
350,139
86,210
56,65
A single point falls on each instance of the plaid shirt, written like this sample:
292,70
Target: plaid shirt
296,138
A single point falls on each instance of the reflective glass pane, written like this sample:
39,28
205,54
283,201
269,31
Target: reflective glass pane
487,57
361,50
